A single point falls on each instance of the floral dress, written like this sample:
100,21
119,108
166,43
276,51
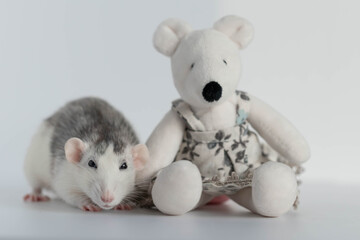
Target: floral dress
223,156
226,158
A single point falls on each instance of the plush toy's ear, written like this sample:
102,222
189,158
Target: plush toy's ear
140,154
168,35
74,148
236,28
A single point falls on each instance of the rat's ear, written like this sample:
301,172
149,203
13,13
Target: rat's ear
168,35
237,29
140,154
74,148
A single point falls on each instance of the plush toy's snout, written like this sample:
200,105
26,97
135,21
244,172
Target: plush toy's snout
212,91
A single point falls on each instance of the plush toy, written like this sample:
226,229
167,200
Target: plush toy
203,147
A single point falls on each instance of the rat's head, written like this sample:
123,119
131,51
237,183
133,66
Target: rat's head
105,175
205,64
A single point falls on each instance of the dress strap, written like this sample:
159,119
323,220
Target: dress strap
187,114
242,107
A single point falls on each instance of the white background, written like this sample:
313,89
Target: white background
304,61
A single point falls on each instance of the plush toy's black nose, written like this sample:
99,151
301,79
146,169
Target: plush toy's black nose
212,91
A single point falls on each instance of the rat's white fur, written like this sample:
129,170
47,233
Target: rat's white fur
75,182
274,184
37,160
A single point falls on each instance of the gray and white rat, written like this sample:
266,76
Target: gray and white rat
88,154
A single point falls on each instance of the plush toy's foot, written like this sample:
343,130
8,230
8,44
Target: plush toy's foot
90,208
274,189
177,188
218,200
33,197
123,207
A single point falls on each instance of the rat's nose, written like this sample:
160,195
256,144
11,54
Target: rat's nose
212,91
107,197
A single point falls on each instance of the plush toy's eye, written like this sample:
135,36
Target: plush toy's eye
92,164
225,61
123,166
192,66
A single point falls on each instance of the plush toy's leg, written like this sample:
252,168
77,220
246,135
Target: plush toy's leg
273,191
178,188
244,198
205,199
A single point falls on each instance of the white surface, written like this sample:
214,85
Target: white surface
327,211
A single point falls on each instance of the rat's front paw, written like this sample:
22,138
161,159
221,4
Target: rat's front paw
90,208
123,207
32,197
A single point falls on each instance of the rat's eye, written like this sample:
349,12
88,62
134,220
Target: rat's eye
192,66
123,166
92,164
225,61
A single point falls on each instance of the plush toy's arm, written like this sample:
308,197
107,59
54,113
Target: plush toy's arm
163,144
278,132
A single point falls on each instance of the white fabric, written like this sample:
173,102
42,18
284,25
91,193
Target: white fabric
236,28
278,132
197,58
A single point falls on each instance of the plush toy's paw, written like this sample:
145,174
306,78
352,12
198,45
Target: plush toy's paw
90,208
123,207
274,189
177,188
32,197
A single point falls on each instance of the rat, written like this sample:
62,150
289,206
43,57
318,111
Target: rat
87,153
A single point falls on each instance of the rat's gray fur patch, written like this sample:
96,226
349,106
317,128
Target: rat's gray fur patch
95,122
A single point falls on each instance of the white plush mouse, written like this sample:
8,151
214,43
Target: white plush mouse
206,133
